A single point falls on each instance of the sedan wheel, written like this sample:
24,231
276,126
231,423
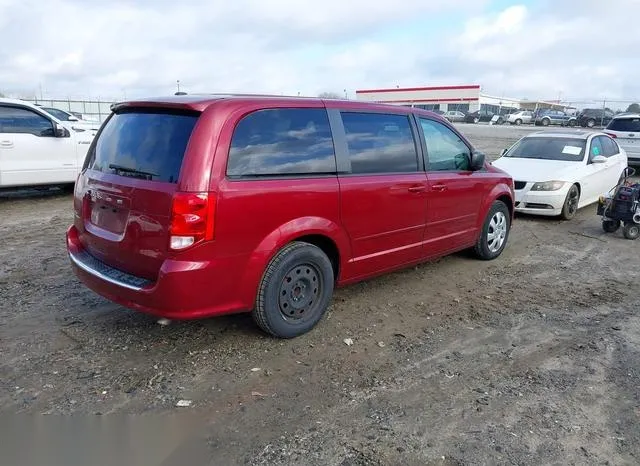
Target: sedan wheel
571,202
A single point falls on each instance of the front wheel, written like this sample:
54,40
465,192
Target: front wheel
591,123
518,122
572,123
631,230
570,207
476,120
546,122
495,232
295,291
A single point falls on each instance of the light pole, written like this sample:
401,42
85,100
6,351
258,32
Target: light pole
178,83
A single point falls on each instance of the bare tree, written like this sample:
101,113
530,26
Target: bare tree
329,95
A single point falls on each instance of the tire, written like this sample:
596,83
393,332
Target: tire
610,226
518,122
591,123
631,230
572,123
295,291
546,122
476,120
570,207
495,232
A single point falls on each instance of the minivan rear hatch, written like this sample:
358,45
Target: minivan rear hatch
130,177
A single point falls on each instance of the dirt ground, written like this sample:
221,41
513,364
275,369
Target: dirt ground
530,359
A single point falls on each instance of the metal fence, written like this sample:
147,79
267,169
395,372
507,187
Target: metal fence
90,109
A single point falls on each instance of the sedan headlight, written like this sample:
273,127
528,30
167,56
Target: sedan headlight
548,186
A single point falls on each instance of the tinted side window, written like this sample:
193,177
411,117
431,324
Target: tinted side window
609,146
283,141
445,149
380,143
24,121
596,148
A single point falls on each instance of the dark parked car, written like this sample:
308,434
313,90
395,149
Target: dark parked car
554,117
196,206
482,115
590,117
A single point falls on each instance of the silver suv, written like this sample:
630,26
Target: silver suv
625,128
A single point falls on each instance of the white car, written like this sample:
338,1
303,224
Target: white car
558,173
69,120
625,128
519,118
36,148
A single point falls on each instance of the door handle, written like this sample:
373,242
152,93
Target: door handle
416,189
6,144
439,187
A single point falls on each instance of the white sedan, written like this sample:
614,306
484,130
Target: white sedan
558,173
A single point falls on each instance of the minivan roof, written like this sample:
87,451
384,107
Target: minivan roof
200,102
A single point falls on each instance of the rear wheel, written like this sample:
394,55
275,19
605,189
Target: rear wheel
518,122
546,122
570,207
476,120
495,232
591,123
572,123
610,226
631,230
295,291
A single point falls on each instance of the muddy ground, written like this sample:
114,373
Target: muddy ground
530,359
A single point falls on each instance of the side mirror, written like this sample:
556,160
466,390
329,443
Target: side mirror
477,160
60,131
599,159
72,118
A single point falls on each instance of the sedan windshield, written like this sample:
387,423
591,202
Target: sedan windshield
545,148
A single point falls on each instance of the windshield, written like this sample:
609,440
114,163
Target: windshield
147,145
564,149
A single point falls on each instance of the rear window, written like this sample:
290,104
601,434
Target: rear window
565,149
282,141
147,145
631,125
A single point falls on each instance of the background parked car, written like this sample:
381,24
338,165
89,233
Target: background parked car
518,118
478,116
454,116
590,117
36,148
625,129
554,117
71,121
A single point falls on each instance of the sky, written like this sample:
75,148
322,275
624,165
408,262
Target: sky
114,49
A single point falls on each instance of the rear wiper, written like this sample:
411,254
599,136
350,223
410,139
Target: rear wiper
140,174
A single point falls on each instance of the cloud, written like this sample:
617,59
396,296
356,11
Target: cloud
109,48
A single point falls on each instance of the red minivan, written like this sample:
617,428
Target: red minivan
197,206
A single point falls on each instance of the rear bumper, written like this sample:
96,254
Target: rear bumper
183,289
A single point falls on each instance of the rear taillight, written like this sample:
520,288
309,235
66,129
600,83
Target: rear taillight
192,217
611,135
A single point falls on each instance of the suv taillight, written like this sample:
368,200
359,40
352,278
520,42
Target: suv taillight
192,217
611,135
